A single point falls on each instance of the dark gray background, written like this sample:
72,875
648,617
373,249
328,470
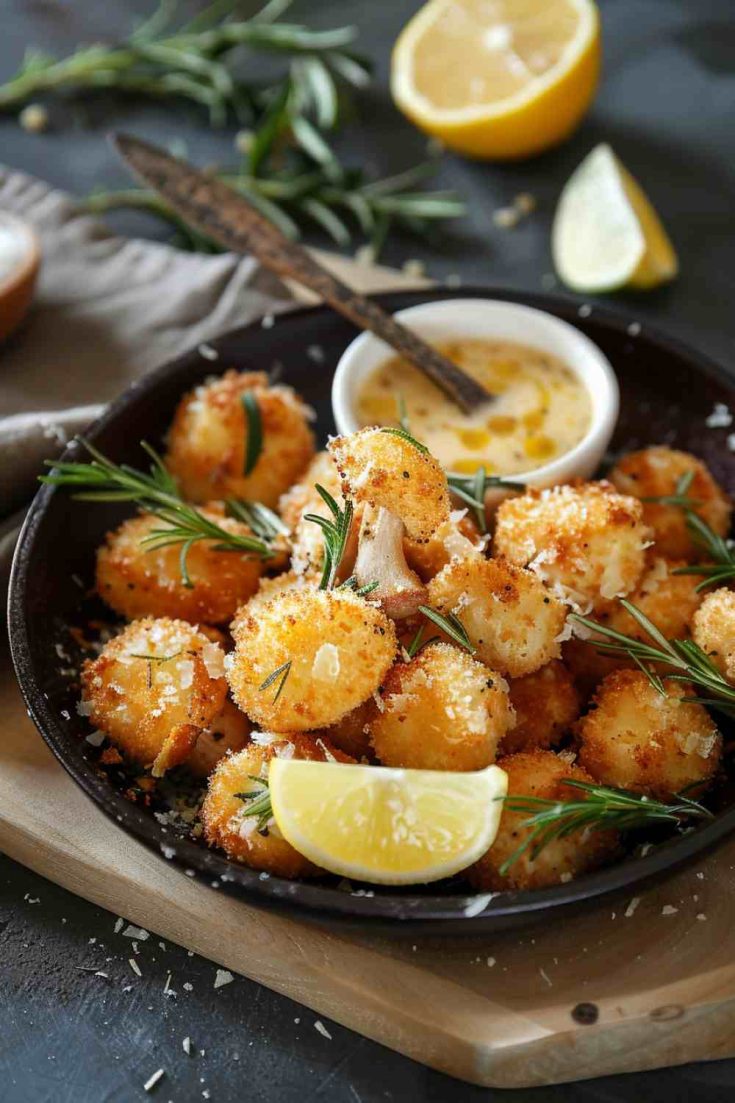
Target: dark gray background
667,105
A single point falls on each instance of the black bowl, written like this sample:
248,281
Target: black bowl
667,392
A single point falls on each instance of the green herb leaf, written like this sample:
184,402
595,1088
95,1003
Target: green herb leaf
335,533
258,803
405,435
279,675
451,625
254,434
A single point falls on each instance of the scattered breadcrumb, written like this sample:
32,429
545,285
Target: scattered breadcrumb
634,329
186,1046
669,909
153,1080
546,977
701,916
118,924
490,962
135,932
720,418
506,218
632,907
224,976
134,966
585,310
207,352
321,1029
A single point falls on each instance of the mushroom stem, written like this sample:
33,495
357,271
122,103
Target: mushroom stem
380,559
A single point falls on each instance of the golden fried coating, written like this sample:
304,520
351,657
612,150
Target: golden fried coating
302,498
668,599
633,738
208,438
654,472
512,619
225,810
351,734
384,469
546,705
441,711
153,689
455,538
539,774
713,629
136,581
333,647
587,542
228,732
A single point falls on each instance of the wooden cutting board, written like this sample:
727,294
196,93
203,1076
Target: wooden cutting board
498,1011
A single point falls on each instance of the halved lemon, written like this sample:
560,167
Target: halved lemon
606,233
498,79
387,826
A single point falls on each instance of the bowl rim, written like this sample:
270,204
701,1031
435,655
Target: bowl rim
469,913
582,356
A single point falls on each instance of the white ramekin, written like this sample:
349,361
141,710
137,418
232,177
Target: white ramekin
493,319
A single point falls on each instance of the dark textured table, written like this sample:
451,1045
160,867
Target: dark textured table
78,1024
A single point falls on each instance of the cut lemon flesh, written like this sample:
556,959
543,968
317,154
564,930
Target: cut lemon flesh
387,826
606,233
498,78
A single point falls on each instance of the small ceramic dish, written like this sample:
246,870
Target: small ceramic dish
494,319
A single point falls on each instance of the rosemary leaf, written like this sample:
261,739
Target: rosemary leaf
405,435
451,625
280,675
254,434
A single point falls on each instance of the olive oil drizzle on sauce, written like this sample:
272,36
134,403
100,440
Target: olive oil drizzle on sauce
541,411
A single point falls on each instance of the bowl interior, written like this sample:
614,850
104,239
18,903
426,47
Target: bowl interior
667,392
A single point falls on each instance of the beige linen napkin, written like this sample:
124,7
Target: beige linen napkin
106,310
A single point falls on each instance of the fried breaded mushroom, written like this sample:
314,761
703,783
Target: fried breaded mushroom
587,542
713,629
655,472
385,470
351,734
441,711
153,689
546,704
635,738
539,774
510,617
208,440
137,581
229,732
307,657
668,599
244,837
455,538
304,500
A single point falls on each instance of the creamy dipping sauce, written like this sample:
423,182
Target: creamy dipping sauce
541,410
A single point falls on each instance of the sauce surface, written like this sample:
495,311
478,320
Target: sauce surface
541,410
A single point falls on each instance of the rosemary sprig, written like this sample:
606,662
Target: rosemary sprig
686,660
192,60
361,591
680,497
266,524
451,625
418,643
335,533
471,490
101,480
259,803
719,549
404,434
279,675
254,435
599,809
297,193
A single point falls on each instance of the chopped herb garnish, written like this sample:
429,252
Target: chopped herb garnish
280,675
471,490
361,591
403,414
403,434
451,625
599,809
266,524
418,643
254,434
156,493
335,533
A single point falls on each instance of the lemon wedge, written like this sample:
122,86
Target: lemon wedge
501,80
606,233
387,826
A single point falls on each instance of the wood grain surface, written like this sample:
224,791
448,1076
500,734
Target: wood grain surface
659,970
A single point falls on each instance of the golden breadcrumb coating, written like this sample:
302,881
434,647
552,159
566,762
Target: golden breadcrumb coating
539,774
383,469
509,615
455,538
351,734
654,472
227,733
441,711
635,738
208,437
225,814
153,709
588,542
136,581
713,629
339,648
546,705
301,498
668,599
